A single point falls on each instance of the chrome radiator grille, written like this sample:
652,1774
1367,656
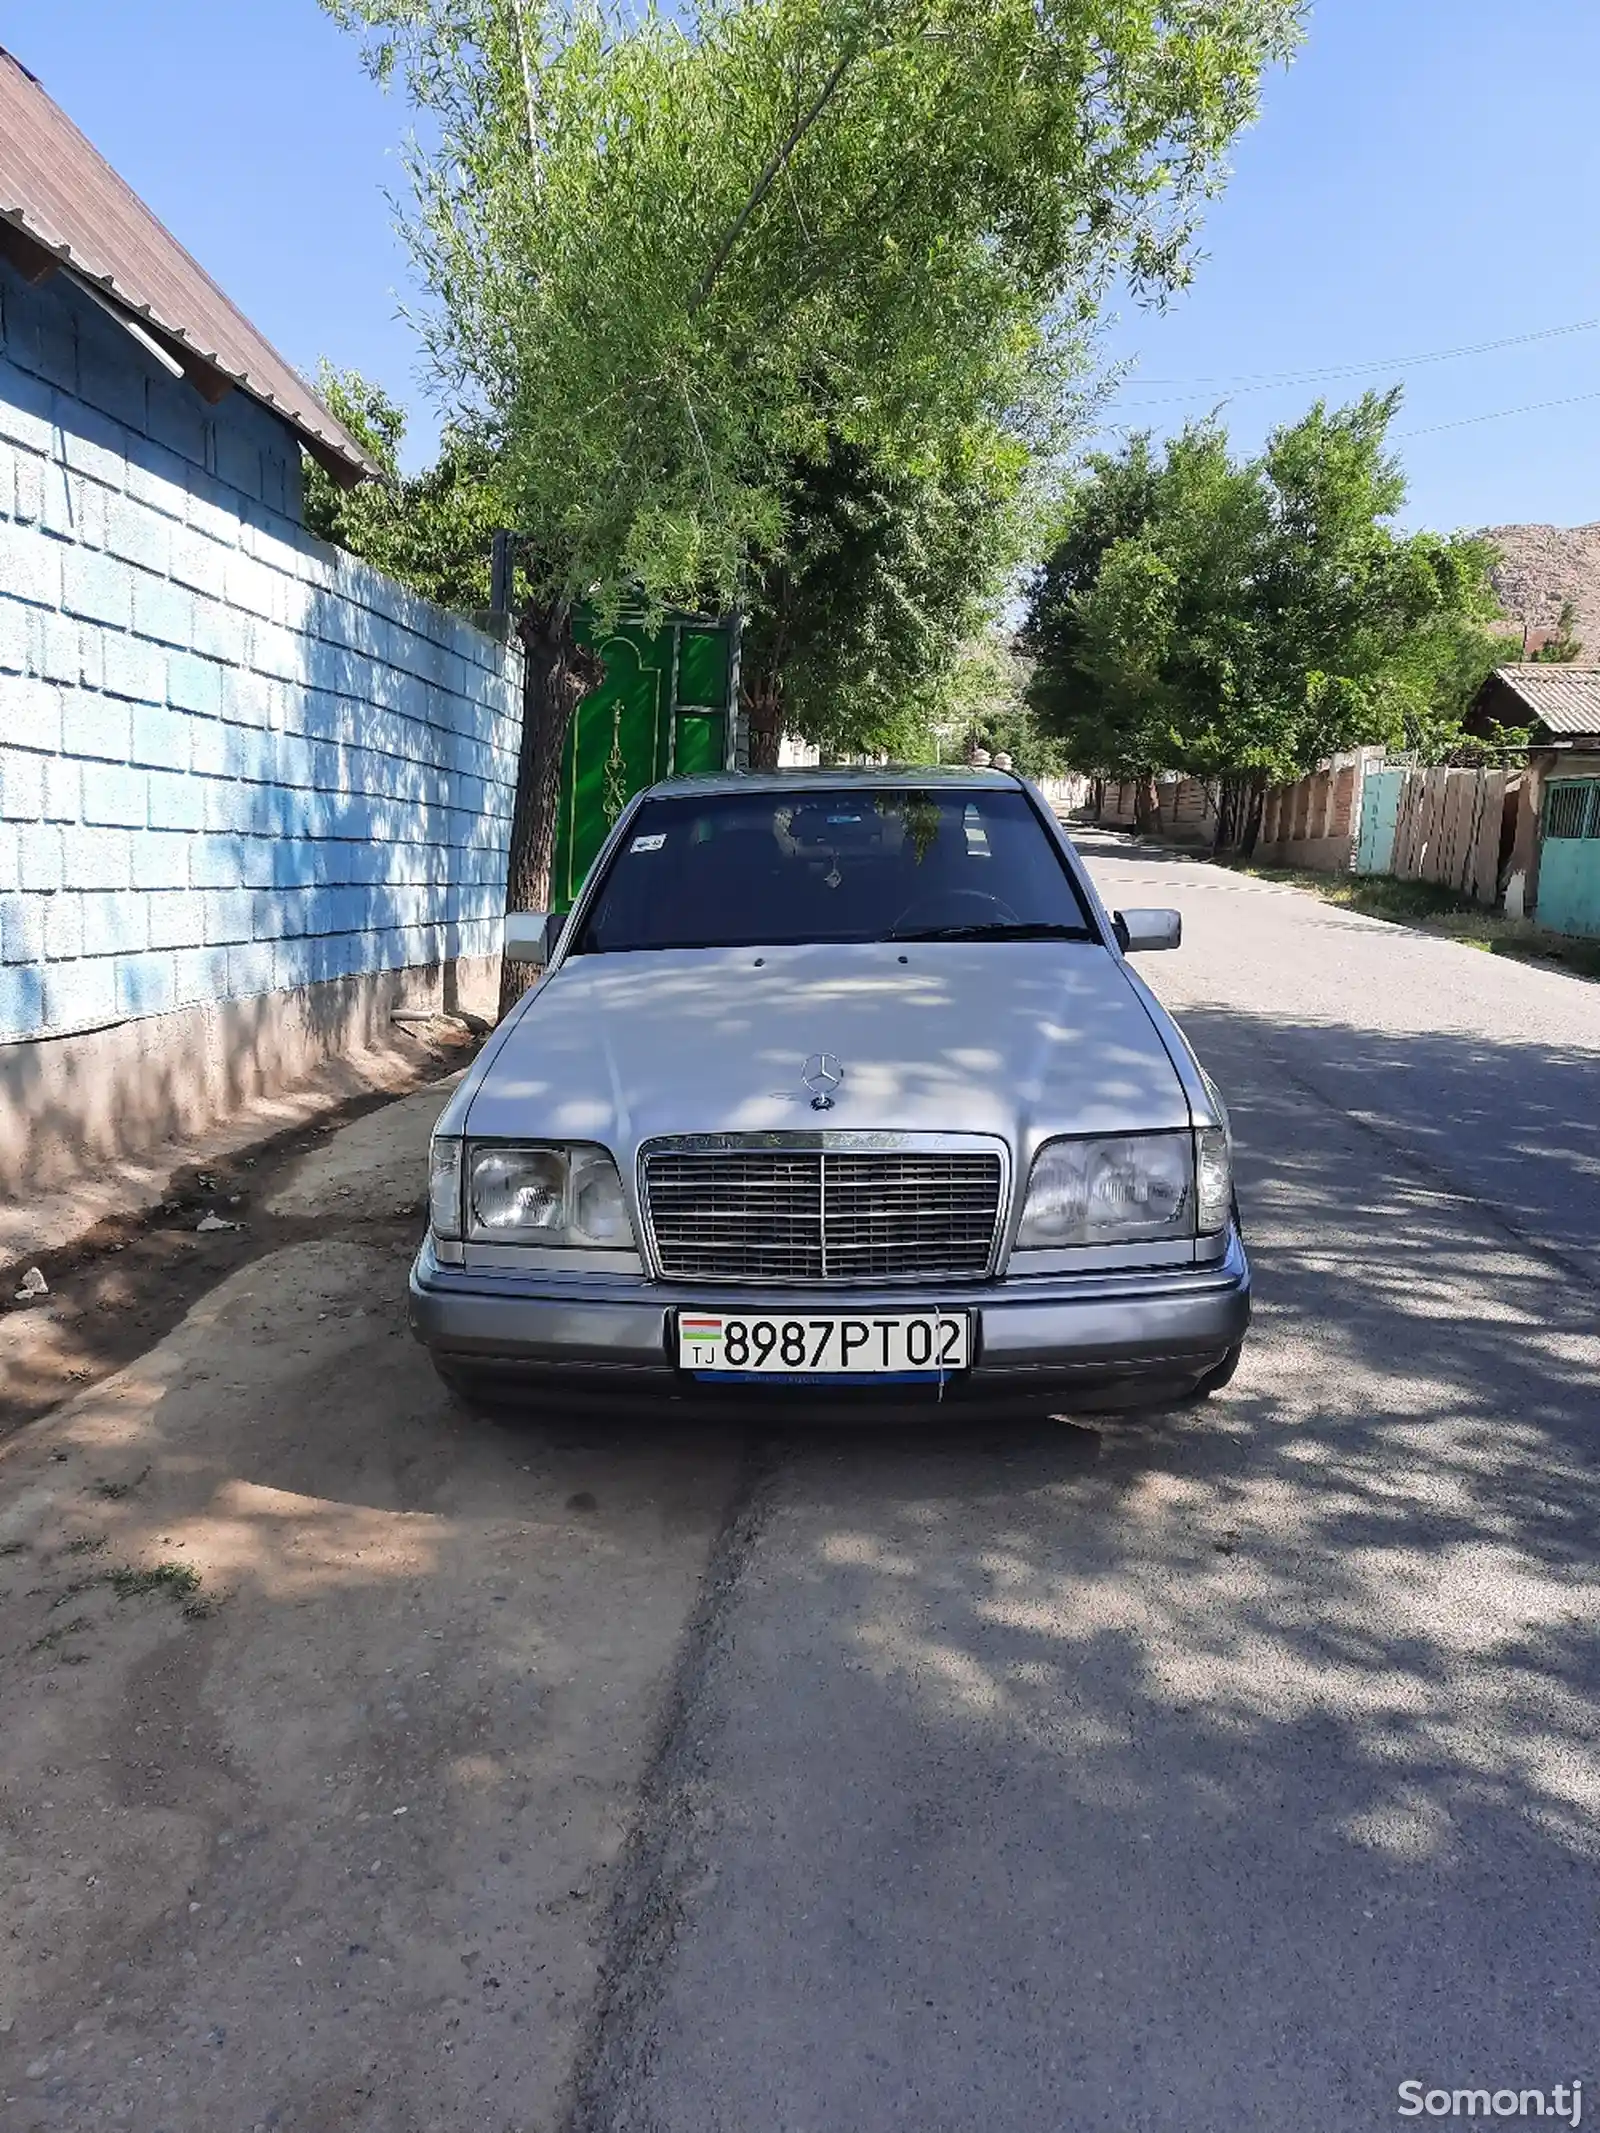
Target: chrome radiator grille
821,1214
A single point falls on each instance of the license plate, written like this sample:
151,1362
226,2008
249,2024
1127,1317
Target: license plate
887,1344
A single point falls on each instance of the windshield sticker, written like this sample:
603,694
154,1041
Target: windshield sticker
647,844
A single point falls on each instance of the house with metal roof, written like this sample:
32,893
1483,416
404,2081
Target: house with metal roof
1560,703
253,794
1555,862
64,209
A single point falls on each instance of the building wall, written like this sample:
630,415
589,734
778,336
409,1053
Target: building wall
1556,880
234,762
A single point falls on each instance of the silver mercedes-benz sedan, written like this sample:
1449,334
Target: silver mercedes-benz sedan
838,1088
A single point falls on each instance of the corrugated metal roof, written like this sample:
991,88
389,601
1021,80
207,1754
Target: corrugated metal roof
61,192
1562,699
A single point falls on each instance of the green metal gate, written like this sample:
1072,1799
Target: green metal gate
1569,857
666,706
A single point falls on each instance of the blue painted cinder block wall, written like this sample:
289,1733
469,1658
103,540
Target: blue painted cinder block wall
232,760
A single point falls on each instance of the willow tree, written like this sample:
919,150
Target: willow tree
669,258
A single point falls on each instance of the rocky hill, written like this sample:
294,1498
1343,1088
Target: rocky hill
1543,565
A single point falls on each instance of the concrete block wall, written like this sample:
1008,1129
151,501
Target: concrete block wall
1313,822
1119,804
1188,811
233,761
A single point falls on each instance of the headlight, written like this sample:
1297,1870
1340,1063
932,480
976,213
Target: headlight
444,1187
523,1189
560,1195
1110,1191
1213,1180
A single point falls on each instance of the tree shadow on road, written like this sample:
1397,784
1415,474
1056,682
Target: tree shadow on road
1513,1125
1257,1749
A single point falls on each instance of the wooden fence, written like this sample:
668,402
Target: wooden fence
1448,826
1450,829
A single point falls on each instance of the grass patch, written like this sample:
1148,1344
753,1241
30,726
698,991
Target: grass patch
179,1579
1432,909
85,1543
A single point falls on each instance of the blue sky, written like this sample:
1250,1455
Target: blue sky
1425,178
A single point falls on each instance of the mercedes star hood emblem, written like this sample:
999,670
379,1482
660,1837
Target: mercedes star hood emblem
822,1074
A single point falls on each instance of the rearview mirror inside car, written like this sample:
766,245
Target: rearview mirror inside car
531,936
1140,929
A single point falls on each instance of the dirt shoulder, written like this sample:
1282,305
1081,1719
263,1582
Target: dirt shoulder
129,1277
325,1705
1431,909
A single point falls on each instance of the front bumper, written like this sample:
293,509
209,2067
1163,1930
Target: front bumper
1071,1339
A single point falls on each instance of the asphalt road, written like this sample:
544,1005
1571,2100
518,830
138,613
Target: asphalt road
1222,1771
1209,1772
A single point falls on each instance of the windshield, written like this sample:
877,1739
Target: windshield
736,870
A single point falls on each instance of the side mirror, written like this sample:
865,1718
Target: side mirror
1138,930
531,936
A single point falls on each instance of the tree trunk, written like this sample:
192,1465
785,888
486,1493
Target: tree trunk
1231,815
1147,808
1240,814
1254,813
764,702
558,673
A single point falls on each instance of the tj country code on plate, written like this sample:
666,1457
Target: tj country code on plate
892,1343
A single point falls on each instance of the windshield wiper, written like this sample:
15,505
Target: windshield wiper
997,930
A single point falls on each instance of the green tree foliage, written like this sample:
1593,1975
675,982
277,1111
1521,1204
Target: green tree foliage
1247,619
882,576
1564,647
672,256
982,703
433,531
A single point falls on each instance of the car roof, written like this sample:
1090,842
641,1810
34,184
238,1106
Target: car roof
892,777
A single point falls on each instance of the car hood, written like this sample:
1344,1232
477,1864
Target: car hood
1019,1038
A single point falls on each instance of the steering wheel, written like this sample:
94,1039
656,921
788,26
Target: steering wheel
956,907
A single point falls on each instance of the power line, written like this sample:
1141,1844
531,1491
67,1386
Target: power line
1499,414
1261,381
1435,355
